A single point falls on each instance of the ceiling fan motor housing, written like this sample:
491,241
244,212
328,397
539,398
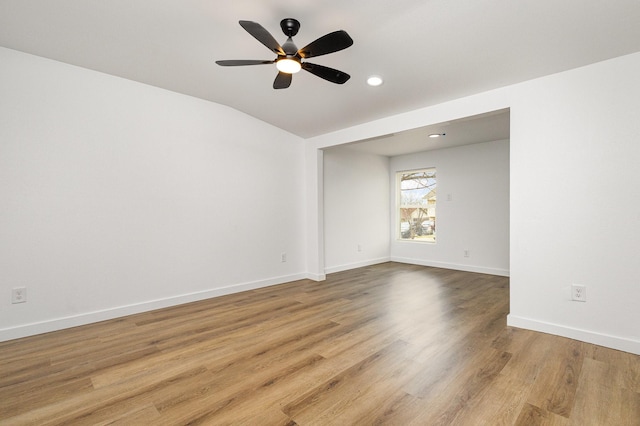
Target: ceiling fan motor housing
290,26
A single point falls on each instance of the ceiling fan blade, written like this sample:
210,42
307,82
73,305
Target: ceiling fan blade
329,74
332,42
282,81
241,62
262,35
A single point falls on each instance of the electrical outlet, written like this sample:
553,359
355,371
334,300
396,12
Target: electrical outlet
467,253
283,257
579,293
359,247
19,295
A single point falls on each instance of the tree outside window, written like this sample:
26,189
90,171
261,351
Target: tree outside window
417,205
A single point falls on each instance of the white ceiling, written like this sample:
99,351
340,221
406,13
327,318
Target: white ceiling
493,126
428,51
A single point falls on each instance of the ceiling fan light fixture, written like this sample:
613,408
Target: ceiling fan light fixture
288,65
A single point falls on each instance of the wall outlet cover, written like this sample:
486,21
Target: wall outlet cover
19,295
578,293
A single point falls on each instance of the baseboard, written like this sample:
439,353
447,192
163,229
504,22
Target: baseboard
456,266
316,277
121,311
609,341
355,265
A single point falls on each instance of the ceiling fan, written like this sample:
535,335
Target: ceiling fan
290,59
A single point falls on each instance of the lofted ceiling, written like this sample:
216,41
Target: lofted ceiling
427,51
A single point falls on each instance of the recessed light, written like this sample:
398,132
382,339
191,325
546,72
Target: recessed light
374,80
437,135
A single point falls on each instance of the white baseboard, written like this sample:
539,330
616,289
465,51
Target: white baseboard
316,277
614,342
456,266
348,266
121,311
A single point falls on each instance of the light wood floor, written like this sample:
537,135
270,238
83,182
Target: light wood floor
388,344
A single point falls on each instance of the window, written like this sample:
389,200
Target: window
417,205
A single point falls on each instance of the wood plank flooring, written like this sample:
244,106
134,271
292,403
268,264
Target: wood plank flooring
389,344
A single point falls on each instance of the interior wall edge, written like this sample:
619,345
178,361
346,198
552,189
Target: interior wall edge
355,265
56,324
315,277
455,266
606,340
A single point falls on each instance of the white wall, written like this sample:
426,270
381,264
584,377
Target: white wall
575,203
574,185
356,209
117,197
472,209
314,231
